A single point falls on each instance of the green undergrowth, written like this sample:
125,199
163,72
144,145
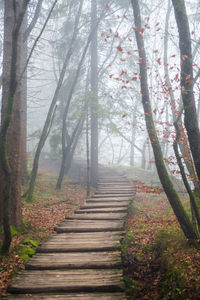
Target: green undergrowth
24,243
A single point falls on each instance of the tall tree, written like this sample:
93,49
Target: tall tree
10,134
94,92
190,120
168,187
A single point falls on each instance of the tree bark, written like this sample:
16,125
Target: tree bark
172,196
190,119
10,134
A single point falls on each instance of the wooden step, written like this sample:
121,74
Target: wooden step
102,210
82,242
113,195
125,200
104,205
89,226
109,191
68,296
75,260
98,216
67,281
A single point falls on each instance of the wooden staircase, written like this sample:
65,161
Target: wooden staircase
82,260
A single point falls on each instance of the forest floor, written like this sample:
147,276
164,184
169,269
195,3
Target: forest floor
158,261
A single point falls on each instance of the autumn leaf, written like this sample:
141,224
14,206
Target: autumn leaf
106,6
123,116
158,61
184,57
123,72
134,78
119,48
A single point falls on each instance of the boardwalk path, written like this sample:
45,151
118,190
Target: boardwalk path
83,260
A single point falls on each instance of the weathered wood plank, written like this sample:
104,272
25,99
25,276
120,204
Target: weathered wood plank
104,205
102,210
113,195
98,216
109,199
114,191
67,296
77,260
68,242
89,226
67,281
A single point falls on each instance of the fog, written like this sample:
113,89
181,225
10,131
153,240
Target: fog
122,135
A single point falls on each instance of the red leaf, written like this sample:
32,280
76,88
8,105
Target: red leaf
158,61
119,48
106,6
123,72
123,116
134,78
184,57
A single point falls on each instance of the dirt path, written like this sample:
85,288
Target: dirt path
82,260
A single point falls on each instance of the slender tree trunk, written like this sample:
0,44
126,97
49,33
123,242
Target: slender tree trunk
143,162
87,151
24,110
68,152
190,120
183,144
172,196
94,102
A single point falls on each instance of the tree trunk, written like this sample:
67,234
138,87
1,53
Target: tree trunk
10,134
190,120
24,110
94,101
68,153
183,141
172,196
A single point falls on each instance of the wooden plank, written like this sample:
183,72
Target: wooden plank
114,191
67,296
125,200
67,281
89,226
102,210
77,260
98,216
113,195
104,205
68,242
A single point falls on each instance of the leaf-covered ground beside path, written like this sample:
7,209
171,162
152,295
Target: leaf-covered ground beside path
158,261
48,209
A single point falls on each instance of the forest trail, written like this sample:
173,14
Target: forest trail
82,260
